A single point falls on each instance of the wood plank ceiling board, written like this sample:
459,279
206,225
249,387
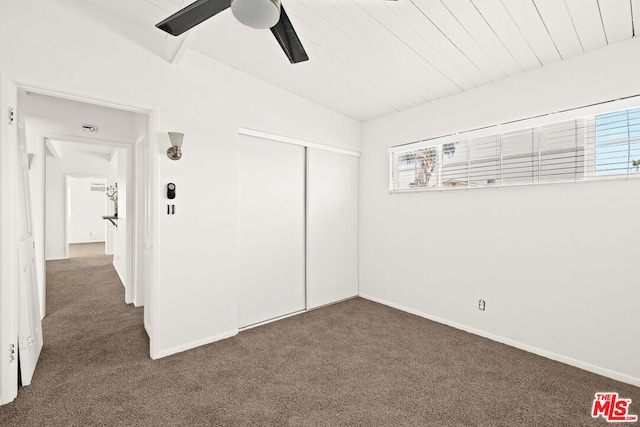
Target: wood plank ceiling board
449,57
257,53
472,21
405,61
353,58
617,19
440,17
410,31
439,83
359,60
558,21
226,40
168,5
369,17
133,11
530,24
499,19
369,58
588,23
419,34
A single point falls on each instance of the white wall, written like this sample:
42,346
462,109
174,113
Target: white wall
556,264
73,162
195,298
86,208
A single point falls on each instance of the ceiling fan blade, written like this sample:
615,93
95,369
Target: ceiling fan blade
288,39
192,15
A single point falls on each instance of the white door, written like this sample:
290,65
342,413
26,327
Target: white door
271,205
332,237
29,325
8,270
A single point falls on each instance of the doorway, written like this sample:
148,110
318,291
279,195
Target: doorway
45,119
86,205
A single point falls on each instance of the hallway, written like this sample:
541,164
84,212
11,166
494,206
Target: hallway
89,332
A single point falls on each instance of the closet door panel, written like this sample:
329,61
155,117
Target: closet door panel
332,227
271,209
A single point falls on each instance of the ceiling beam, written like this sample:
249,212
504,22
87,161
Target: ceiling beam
177,47
53,148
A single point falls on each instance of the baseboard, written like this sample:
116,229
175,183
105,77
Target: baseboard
275,319
56,259
148,329
544,353
193,344
115,267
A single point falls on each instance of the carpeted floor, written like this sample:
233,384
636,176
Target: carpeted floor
77,250
356,363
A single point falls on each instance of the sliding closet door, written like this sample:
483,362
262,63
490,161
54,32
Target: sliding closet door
332,239
271,229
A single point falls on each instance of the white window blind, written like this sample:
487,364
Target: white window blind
589,147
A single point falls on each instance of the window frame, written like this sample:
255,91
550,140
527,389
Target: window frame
498,130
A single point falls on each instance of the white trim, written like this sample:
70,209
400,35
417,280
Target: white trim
152,299
61,137
544,353
42,90
147,328
334,302
193,344
294,141
600,178
264,322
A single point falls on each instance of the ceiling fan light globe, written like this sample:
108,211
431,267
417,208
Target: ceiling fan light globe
260,14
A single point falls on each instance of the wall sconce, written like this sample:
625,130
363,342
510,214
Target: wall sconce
175,151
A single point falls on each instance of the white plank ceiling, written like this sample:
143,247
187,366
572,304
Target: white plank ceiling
369,58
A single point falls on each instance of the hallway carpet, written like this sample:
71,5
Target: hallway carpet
356,363
83,250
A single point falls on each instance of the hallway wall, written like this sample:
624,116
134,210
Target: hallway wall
195,298
73,162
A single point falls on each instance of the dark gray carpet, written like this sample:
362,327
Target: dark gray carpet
356,363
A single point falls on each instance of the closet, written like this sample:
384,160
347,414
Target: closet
298,228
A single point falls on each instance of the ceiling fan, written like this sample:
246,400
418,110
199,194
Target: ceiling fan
261,14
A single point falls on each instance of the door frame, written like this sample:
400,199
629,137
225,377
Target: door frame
144,226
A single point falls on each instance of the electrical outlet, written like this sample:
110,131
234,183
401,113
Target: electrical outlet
481,305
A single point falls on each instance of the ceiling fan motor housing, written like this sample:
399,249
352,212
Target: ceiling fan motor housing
260,14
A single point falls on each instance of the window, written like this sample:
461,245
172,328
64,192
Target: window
570,150
617,141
